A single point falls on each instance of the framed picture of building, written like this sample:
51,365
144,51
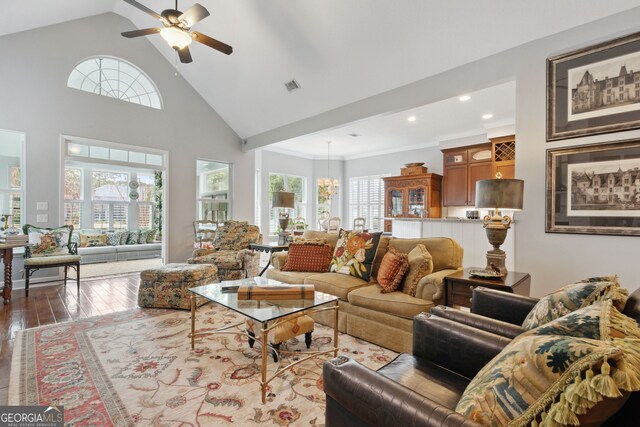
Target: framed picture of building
594,189
594,90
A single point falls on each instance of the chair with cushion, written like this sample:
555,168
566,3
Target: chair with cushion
334,224
231,252
204,232
50,248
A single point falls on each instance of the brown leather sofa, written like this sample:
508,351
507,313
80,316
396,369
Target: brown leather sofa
449,348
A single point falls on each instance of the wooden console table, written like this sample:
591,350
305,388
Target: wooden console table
459,285
6,253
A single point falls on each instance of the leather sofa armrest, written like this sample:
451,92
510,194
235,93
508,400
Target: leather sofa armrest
500,305
460,348
378,400
278,259
488,324
431,286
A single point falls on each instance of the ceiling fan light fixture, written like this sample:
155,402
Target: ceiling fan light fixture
176,37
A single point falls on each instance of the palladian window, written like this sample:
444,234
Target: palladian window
115,78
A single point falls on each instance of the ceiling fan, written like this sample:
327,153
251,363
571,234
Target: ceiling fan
176,31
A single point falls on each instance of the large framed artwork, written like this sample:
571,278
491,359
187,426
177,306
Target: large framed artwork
594,189
594,90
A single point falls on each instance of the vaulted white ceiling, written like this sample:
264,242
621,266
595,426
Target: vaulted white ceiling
339,51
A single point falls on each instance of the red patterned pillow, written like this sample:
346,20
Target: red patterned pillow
308,257
393,267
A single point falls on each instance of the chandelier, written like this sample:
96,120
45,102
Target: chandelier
328,187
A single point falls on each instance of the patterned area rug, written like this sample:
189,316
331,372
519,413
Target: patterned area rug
137,368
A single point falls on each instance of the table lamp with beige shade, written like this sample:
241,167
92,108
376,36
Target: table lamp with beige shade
498,195
283,200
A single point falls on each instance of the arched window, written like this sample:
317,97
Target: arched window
116,78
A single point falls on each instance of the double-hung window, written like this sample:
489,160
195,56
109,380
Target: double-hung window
294,184
366,200
109,200
11,167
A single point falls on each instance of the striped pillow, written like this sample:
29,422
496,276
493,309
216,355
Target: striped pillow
393,267
312,257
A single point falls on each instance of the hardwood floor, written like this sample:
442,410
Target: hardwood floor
55,304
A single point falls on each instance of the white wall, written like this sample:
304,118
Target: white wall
552,259
36,100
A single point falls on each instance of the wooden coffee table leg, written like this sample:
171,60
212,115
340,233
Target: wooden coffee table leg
263,385
192,299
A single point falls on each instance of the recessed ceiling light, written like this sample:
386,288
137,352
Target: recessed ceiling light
464,98
487,116
412,118
354,135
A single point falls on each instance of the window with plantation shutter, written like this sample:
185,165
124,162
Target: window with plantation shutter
366,200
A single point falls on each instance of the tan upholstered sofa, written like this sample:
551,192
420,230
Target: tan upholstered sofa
365,312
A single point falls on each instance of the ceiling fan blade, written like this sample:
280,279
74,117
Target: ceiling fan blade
185,55
144,8
138,33
217,45
194,14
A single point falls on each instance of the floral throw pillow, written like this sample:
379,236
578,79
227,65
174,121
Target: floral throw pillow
549,380
574,296
48,241
93,240
354,253
599,321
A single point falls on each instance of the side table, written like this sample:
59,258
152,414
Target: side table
459,285
269,248
6,255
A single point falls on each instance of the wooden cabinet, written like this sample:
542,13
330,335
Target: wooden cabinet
464,166
503,151
459,286
412,196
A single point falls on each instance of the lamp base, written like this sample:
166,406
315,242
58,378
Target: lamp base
283,237
495,262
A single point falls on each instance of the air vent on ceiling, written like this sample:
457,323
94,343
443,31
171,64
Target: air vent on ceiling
355,135
292,85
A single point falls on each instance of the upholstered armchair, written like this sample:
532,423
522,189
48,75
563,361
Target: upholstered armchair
419,389
231,252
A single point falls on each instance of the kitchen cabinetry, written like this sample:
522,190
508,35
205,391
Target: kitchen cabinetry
503,151
464,166
412,196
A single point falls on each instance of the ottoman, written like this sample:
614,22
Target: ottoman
166,286
289,328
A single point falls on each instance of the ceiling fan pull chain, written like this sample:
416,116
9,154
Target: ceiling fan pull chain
175,61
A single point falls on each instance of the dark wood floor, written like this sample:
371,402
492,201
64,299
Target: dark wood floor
55,304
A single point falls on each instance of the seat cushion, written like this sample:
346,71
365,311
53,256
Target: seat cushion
396,303
431,381
334,283
227,260
138,247
97,250
291,277
53,259
179,272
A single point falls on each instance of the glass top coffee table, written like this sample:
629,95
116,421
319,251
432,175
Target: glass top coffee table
267,313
